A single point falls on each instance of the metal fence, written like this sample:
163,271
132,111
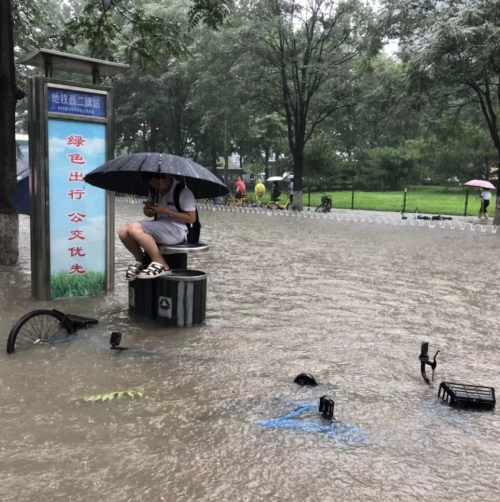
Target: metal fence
425,200
430,200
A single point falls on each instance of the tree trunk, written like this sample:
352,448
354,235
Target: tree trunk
213,152
266,162
177,130
153,138
9,222
226,154
496,220
298,166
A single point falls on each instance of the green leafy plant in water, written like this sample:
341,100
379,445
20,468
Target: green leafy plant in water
112,395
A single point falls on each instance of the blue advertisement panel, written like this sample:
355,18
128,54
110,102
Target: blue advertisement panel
77,210
86,104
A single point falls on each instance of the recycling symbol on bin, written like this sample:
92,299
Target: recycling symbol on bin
164,304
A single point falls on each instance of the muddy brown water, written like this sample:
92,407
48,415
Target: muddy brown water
348,302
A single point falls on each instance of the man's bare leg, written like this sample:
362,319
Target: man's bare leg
129,242
148,244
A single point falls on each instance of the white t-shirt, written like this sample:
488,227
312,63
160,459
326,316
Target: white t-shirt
486,195
187,203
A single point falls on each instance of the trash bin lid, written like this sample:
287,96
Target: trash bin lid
185,276
184,248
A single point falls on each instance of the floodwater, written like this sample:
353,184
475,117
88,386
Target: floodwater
348,302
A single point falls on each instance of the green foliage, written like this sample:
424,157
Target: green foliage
254,168
300,59
297,82
213,13
35,22
63,285
259,136
451,53
321,157
120,30
113,395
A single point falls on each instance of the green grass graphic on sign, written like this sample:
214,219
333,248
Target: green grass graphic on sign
63,285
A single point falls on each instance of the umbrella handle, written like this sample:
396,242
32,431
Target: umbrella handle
154,197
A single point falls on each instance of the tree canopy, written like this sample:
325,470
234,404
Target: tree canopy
308,83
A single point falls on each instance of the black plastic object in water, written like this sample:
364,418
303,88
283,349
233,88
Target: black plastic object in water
326,407
424,361
305,379
115,341
473,396
78,321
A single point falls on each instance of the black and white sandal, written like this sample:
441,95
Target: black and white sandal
153,271
134,270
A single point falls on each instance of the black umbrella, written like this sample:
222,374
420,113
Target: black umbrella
131,174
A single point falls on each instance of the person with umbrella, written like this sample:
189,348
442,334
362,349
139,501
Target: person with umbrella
169,228
485,195
485,198
177,182
275,192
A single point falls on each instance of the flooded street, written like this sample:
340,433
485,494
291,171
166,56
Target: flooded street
349,303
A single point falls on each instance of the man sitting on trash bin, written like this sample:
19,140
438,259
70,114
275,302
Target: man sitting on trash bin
170,227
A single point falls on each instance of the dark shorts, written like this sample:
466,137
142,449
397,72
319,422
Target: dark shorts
484,205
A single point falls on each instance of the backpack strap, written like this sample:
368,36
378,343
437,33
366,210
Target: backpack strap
177,196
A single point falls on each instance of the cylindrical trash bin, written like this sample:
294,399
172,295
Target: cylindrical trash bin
181,298
141,294
176,300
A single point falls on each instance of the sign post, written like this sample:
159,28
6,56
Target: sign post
70,134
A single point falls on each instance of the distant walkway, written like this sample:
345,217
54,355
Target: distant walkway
356,215
361,216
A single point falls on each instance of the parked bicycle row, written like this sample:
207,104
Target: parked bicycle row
275,204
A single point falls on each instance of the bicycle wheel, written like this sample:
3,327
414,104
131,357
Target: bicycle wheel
272,205
39,327
247,203
319,209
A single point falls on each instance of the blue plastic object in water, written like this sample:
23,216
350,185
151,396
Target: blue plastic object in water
344,433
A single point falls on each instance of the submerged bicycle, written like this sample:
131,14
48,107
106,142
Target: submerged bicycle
45,327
